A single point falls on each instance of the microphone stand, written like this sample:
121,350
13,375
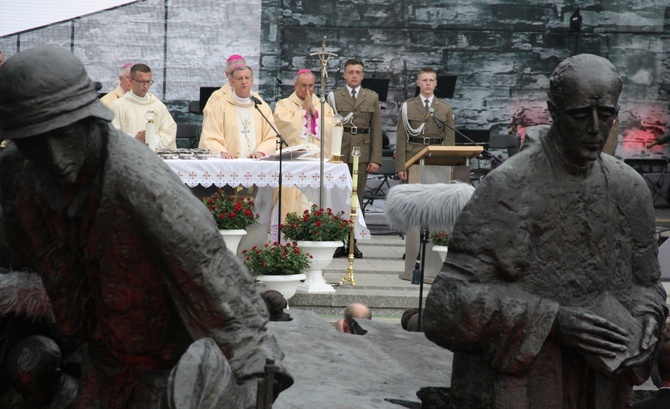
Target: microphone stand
280,143
661,140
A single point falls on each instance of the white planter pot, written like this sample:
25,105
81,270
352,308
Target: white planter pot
286,285
442,251
232,238
322,255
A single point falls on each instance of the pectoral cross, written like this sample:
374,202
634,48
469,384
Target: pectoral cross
245,130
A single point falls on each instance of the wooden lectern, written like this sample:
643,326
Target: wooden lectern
435,164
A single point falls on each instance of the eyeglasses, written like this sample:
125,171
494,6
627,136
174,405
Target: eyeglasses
143,83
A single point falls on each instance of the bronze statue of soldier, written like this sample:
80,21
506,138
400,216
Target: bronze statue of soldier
133,263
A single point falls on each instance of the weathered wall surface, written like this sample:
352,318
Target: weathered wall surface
185,42
501,51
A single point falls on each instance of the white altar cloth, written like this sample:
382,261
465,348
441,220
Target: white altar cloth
303,173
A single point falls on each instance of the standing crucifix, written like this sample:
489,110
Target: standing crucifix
323,57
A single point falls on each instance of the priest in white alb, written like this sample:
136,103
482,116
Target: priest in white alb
141,115
298,120
125,83
231,127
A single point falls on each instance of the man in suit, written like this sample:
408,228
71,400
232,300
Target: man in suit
416,130
661,399
362,127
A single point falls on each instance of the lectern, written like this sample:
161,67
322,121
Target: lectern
435,164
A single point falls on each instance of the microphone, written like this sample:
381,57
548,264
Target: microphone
660,141
431,113
258,102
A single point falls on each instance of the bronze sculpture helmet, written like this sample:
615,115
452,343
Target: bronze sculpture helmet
46,88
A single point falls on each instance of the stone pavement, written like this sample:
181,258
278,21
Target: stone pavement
333,370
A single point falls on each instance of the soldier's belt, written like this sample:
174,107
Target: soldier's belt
355,130
426,141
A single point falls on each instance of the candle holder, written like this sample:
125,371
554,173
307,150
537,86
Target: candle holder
336,147
349,275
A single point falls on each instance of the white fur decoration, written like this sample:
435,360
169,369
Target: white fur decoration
22,293
435,206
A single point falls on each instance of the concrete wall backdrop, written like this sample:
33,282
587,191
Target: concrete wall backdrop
501,51
185,42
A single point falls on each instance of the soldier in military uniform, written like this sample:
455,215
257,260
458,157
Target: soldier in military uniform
417,127
362,126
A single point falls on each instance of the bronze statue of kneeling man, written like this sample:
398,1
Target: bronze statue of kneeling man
131,260
550,294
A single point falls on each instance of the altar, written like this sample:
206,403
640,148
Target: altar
264,174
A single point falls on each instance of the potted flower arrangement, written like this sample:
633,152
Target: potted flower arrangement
440,241
316,225
278,266
318,232
232,215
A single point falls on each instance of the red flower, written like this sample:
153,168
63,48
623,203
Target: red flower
315,224
231,212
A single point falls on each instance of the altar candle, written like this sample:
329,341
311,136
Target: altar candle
354,183
336,146
150,135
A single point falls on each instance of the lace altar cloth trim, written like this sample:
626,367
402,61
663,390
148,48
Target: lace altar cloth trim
265,174
250,172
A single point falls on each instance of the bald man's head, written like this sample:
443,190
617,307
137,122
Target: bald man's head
355,310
